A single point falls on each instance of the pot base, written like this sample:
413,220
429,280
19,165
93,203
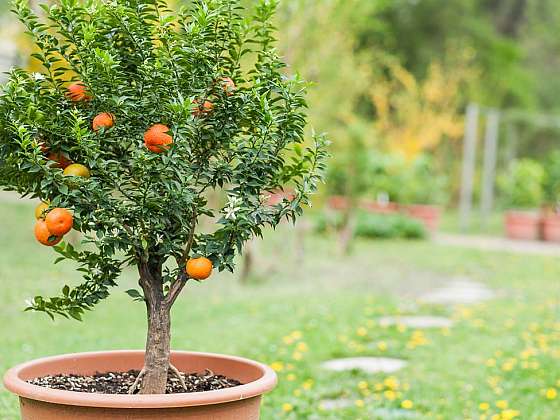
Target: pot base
37,410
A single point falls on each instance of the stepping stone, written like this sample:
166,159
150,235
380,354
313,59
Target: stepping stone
459,292
336,404
416,321
394,413
365,364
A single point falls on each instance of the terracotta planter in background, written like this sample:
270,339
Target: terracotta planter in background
522,225
379,207
550,227
338,202
429,215
241,402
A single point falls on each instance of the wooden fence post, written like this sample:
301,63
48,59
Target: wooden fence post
469,163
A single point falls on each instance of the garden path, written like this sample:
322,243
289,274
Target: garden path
494,243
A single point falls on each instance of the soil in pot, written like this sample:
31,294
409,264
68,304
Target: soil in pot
121,382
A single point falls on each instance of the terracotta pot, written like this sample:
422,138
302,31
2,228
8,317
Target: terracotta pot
522,225
550,225
241,402
279,196
429,215
379,208
338,202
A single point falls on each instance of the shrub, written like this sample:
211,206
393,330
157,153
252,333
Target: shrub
374,226
422,184
552,179
522,188
197,101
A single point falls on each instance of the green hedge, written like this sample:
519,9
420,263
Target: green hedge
374,226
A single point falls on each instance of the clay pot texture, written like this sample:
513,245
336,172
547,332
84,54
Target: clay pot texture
429,215
522,225
241,402
551,227
379,208
338,202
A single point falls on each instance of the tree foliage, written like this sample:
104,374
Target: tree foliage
147,65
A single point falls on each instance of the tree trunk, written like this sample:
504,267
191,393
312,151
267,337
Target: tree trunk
158,342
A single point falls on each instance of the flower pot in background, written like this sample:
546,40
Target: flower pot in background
379,207
522,225
338,202
240,402
429,215
550,227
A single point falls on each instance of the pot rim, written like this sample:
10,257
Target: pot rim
18,386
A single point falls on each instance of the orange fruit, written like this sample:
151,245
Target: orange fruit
77,169
199,268
40,210
228,85
77,92
157,139
44,235
103,120
202,108
59,221
61,159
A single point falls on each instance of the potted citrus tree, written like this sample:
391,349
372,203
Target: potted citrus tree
138,114
522,189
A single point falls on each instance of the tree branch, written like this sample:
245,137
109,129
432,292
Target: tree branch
178,285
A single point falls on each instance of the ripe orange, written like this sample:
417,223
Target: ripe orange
203,108
40,210
77,92
199,268
157,139
44,235
62,160
59,221
103,120
228,85
77,169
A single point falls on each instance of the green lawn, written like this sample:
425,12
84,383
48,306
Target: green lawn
313,305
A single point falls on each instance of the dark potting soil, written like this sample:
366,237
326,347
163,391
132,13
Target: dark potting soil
120,382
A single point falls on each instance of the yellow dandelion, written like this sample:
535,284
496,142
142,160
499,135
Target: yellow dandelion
288,340
359,403
484,406
296,335
551,393
363,385
302,347
509,414
297,355
390,395
507,366
297,392
277,366
502,404
378,387
287,407
391,382
491,362
362,332
382,346
401,328
308,384
407,404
